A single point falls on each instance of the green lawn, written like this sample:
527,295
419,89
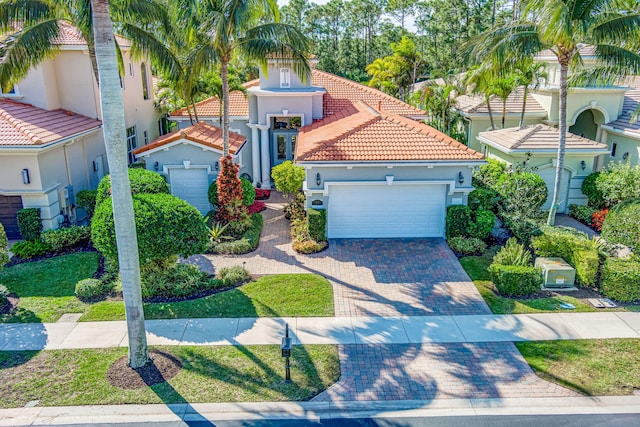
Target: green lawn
209,374
592,367
279,295
476,268
47,288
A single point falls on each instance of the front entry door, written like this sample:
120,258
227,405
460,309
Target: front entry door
284,146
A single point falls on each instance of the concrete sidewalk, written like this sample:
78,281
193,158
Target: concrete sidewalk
185,414
327,330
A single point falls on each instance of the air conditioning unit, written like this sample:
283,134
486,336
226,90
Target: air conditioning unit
556,273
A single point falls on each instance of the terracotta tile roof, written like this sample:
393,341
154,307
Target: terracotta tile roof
200,133
69,35
631,101
24,124
361,133
537,137
210,107
473,104
341,93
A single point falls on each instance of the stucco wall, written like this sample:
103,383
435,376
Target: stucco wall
139,112
302,105
272,79
77,88
625,144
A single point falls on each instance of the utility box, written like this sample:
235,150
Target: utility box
556,273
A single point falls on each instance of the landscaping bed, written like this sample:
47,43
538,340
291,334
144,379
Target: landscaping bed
608,367
207,374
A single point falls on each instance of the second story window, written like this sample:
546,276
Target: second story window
146,137
145,81
130,69
132,143
285,78
13,92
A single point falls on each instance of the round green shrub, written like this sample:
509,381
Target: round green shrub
458,222
467,246
248,192
92,289
487,175
621,226
67,238
621,279
521,193
618,182
174,281
590,189
166,226
31,248
142,181
213,193
232,276
515,280
483,224
483,198
30,223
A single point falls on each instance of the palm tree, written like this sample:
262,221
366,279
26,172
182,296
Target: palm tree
478,81
32,27
114,138
561,26
503,87
530,74
221,29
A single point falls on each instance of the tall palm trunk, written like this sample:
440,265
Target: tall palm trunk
562,127
224,75
493,125
504,112
524,106
116,148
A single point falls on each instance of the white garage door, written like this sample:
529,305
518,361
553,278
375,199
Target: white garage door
386,211
191,185
549,177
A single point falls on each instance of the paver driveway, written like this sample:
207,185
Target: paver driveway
370,277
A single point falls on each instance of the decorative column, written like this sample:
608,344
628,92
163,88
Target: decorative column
255,154
265,156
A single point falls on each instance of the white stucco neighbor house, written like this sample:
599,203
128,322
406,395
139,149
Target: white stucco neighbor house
376,170
51,142
598,119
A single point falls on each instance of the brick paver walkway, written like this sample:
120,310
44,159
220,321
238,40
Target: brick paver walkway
370,277
436,371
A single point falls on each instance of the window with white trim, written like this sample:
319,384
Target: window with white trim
145,81
130,69
132,143
146,137
614,147
13,92
285,78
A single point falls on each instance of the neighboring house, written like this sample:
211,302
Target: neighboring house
599,120
51,142
377,171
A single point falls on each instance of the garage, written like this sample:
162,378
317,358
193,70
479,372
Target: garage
191,185
9,207
549,177
381,210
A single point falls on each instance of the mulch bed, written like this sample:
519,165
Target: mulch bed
162,367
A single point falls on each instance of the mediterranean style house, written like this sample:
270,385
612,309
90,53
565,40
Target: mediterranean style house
376,170
51,142
599,121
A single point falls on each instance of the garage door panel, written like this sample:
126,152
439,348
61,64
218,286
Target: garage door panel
192,186
386,211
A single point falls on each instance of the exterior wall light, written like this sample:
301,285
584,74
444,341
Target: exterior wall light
318,179
25,176
156,166
95,166
583,164
460,177
625,156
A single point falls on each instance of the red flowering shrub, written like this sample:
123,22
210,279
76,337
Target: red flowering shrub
598,218
256,207
229,193
262,194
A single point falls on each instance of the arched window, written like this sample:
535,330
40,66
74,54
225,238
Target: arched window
145,81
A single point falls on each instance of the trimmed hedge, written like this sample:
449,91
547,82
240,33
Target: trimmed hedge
483,199
621,279
93,289
86,199
30,223
142,181
572,246
30,248
176,281
590,189
458,222
521,193
67,238
232,276
166,226
515,280
467,246
622,224
488,175
317,223
483,223
582,213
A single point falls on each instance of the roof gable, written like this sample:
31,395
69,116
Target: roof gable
362,133
474,104
26,125
201,133
536,138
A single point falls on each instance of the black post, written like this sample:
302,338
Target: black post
287,366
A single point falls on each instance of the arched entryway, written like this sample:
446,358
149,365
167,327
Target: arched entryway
587,123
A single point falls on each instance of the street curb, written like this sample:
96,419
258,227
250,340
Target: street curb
120,414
